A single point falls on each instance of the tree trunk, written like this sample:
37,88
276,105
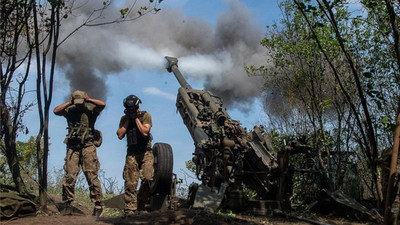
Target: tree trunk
11,150
393,169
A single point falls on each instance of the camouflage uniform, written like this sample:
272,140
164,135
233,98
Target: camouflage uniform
81,152
138,164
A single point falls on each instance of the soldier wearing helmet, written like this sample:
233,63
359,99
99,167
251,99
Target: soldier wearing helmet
136,125
81,113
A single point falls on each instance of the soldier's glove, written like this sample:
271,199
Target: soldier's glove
98,138
131,113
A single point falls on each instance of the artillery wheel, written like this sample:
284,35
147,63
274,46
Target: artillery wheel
163,165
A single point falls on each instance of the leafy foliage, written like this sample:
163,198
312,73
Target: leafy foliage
28,162
191,166
332,82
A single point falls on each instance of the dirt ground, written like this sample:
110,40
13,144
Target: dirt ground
82,215
182,216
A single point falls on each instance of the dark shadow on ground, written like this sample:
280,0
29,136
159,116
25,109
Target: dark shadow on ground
182,216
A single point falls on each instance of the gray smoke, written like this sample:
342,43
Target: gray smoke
215,57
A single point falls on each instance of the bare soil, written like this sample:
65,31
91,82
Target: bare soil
170,217
82,215
182,216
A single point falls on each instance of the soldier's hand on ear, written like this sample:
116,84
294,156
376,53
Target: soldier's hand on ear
138,113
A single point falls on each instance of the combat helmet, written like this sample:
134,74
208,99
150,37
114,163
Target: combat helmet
78,97
132,101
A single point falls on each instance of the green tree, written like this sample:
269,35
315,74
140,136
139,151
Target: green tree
26,152
358,106
367,121
385,16
14,20
302,98
333,78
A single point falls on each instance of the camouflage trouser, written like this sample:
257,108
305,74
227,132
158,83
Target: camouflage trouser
86,158
137,166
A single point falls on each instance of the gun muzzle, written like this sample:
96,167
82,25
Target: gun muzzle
172,66
170,61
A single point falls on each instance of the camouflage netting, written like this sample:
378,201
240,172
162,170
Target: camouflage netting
14,205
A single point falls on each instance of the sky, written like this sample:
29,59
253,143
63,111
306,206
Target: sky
213,40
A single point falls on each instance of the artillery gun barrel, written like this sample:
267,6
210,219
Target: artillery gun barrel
220,116
189,112
172,66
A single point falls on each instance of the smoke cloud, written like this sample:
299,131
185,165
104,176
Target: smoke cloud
215,56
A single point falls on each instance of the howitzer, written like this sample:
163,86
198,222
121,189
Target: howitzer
225,154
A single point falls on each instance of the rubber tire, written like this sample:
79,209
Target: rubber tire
163,165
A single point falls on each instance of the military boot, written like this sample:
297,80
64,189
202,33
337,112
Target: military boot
98,210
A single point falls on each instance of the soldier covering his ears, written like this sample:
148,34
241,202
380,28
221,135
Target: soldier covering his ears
136,124
82,139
